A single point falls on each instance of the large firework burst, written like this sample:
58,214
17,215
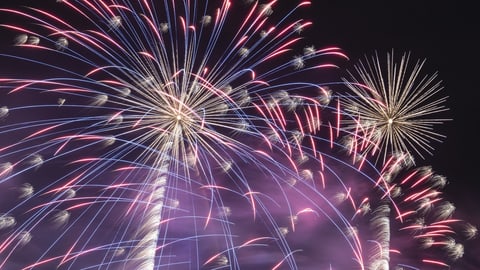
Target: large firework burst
178,135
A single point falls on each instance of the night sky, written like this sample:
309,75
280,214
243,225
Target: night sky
446,35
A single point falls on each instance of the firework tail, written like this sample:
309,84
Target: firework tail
380,223
142,256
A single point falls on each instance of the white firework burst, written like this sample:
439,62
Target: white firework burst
393,106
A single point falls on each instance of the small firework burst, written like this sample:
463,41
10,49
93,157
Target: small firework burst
394,107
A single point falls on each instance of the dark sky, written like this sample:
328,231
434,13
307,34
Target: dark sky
443,33
446,35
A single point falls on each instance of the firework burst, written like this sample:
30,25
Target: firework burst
179,135
394,106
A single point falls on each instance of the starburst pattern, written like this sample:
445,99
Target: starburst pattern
395,107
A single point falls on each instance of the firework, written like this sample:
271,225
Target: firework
184,135
395,107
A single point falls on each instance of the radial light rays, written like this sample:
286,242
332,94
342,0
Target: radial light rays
395,107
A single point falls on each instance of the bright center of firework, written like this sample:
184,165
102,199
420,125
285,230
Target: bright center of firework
390,121
182,119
